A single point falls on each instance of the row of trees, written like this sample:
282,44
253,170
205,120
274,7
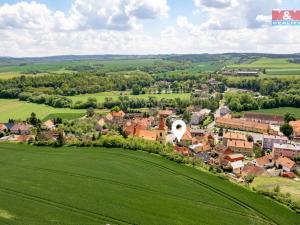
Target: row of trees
241,101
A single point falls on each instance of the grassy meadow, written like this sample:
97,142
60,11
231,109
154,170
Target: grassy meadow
286,185
115,95
15,109
115,186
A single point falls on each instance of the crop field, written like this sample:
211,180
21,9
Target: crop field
115,95
9,75
15,109
280,111
274,67
286,186
62,66
44,185
64,116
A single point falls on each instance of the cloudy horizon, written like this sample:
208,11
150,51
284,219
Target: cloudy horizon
91,27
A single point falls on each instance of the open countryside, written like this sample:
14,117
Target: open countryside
149,112
127,187
115,95
15,109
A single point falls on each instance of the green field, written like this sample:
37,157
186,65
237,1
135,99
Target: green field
274,67
115,95
64,116
15,109
43,185
280,111
61,66
286,186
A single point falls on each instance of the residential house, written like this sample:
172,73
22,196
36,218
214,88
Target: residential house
240,124
224,110
201,150
187,138
198,117
100,125
23,138
233,136
264,118
286,150
139,123
243,147
146,134
21,129
181,150
270,140
234,157
296,128
264,161
49,125
115,115
237,167
286,164
2,127
253,170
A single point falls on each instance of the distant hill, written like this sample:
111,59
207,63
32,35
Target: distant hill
205,57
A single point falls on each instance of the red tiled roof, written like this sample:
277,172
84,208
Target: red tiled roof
235,135
187,136
285,162
2,126
240,144
49,123
253,170
117,114
182,150
21,127
263,160
146,134
234,157
262,116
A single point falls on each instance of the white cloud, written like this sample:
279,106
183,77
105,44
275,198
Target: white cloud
213,3
147,9
236,14
84,14
113,27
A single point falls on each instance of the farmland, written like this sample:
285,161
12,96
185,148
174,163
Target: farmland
15,109
273,66
115,95
115,186
280,111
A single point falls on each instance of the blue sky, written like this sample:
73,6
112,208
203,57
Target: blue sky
54,27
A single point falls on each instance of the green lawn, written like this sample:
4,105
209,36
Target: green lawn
43,185
280,111
15,109
286,186
115,95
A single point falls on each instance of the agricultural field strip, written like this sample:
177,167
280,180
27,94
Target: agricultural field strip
258,216
129,186
263,217
90,214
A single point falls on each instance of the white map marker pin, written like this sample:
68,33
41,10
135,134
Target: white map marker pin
178,129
